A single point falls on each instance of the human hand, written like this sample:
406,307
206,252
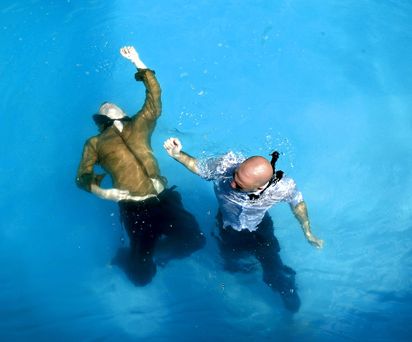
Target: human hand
173,147
318,243
114,194
130,53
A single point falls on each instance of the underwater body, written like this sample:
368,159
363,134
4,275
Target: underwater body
327,84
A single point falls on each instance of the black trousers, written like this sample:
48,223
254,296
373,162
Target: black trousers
145,223
262,244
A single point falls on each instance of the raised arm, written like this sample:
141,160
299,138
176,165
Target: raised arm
152,107
301,212
174,149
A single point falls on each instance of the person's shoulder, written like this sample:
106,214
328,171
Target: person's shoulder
232,158
286,183
226,160
214,167
93,140
287,179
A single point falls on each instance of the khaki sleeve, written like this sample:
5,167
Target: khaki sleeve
152,107
85,176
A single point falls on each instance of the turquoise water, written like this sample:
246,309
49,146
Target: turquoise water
327,83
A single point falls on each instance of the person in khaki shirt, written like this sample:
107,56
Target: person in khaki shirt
148,209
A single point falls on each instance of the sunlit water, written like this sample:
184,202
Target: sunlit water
326,83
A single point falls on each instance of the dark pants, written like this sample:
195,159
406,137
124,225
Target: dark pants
263,244
146,222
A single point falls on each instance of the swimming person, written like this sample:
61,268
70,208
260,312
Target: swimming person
148,209
245,190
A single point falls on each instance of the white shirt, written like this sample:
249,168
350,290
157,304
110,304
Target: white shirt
238,210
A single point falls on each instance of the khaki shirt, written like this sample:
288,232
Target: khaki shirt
109,150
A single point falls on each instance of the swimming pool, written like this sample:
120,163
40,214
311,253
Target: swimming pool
327,83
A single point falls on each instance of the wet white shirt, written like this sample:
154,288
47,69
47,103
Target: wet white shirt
238,210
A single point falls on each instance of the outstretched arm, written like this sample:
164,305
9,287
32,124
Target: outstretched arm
152,107
301,212
174,149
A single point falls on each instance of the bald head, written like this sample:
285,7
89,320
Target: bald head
252,174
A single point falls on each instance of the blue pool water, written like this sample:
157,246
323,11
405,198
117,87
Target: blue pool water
328,83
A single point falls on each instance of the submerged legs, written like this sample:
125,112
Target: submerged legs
145,223
265,247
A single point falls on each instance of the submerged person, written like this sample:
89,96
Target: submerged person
245,190
148,209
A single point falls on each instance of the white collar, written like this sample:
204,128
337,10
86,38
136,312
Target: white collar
118,124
